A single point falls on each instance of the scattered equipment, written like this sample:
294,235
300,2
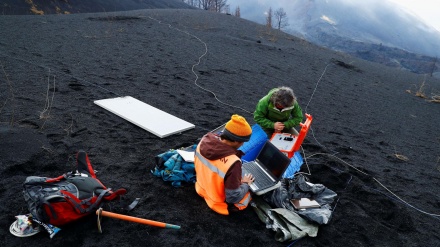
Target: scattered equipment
69,197
288,143
268,169
23,227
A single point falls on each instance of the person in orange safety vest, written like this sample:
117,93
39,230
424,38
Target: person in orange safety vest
217,163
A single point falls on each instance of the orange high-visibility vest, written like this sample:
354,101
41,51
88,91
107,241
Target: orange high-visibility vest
210,182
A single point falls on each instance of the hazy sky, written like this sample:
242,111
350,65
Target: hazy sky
427,10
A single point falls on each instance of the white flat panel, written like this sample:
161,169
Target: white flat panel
145,116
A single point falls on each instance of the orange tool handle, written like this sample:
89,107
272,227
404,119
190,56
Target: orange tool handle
136,220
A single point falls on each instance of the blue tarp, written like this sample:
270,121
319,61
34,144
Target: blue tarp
170,166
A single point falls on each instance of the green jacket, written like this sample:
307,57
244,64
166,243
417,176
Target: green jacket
266,114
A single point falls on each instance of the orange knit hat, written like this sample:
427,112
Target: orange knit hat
238,129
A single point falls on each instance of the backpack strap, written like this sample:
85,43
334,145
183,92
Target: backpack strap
83,164
90,202
132,205
45,201
57,179
57,195
115,194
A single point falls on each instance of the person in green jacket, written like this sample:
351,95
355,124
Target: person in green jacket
278,111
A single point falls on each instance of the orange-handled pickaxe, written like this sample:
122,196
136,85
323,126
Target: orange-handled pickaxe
101,212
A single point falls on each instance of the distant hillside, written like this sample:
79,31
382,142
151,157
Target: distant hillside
379,53
376,30
45,7
373,21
